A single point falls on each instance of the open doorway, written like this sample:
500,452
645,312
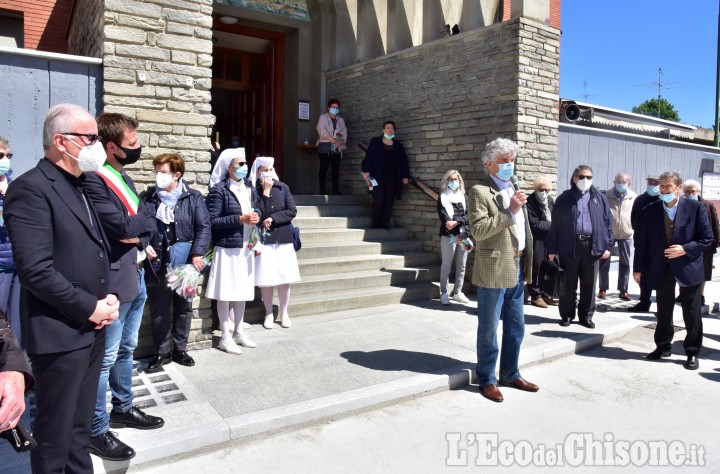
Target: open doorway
246,94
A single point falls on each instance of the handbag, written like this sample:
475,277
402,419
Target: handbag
179,253
19,438
297,244
551,278
323,148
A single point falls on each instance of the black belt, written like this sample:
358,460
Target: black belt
583,237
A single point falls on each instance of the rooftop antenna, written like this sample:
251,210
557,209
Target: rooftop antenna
586,96
659,84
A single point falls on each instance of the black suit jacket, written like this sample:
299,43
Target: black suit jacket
62,259
118,225
12,359
691,230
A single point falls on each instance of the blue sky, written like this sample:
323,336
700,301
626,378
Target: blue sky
617,46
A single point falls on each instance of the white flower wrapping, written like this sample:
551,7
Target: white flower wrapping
184,279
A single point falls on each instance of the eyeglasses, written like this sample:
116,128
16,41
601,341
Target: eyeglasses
6,155
584,177
93,138
547,190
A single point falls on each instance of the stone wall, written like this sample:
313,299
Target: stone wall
85,31
448,99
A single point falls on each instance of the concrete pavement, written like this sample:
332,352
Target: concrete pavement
331,365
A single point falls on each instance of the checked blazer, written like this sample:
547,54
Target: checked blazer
496,239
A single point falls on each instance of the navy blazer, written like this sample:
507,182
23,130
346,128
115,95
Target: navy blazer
62,260
373,164
692,231
118,225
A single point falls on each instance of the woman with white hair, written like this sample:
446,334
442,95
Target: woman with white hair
452,209
277,265
231,204
692,190
539,209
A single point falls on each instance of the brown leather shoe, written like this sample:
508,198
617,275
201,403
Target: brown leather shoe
539,302
491,392
549,301
521,384
601,294
624,296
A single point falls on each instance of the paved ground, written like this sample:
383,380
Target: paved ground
332,365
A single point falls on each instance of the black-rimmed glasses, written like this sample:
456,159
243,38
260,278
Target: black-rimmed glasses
6,155
92,137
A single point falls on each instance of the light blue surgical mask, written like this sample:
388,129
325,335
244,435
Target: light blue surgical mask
389,137
505,171
621,188
667,197
453,185
694,197
241,172
334,110
4,166
653,190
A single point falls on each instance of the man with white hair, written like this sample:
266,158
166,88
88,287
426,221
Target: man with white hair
620,199
503,264
62,258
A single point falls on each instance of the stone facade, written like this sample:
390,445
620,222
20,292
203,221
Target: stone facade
449,98
85,32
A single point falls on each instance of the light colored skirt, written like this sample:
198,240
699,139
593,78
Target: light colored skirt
276,265
232,275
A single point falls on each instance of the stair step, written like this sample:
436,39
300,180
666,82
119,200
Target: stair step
343,249
324,200
334,222
351,235
320,283
355,263
328,301
333,211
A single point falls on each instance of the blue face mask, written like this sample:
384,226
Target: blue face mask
389,137
334,110
453,185
653,190
694,197
667,197
4,166
505,171
621,188
241,172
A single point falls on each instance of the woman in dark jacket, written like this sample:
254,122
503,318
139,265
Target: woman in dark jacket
385,162
276,266
9,283
184,226
231,204
539,209
452,209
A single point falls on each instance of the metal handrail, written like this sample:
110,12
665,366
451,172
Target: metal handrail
419,185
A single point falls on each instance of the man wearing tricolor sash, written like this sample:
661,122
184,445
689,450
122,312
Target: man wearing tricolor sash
129,231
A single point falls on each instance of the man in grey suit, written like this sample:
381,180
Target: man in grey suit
503,264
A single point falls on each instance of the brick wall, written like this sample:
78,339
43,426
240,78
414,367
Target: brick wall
448,99
44,22
554,12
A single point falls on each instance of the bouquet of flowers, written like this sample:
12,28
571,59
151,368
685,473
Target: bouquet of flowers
466,242
333,148
184,279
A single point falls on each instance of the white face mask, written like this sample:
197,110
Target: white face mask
90,158
542,195
266,174
584,184
163,180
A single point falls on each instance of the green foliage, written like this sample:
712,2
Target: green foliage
650,107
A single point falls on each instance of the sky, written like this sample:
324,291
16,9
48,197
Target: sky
617,46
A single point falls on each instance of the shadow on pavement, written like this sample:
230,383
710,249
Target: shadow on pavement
397,360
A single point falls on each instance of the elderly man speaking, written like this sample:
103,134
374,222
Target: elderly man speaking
503,263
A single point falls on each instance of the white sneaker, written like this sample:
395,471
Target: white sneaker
444,298
460,297
230,347
269,323
285,321
244,340
245,325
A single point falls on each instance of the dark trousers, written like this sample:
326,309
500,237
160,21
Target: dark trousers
329,160
584,266
539,254
160,297
66,385
645,290
625,253
691,307
382,205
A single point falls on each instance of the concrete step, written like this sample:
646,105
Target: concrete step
324,199
311,235
356,263
333,211
328,301
333,222
344,249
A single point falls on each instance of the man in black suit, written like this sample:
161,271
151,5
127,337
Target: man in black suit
15,378
129,231
641,202
670,237
62,259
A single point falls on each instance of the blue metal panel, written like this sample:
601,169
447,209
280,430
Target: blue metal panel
30,86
